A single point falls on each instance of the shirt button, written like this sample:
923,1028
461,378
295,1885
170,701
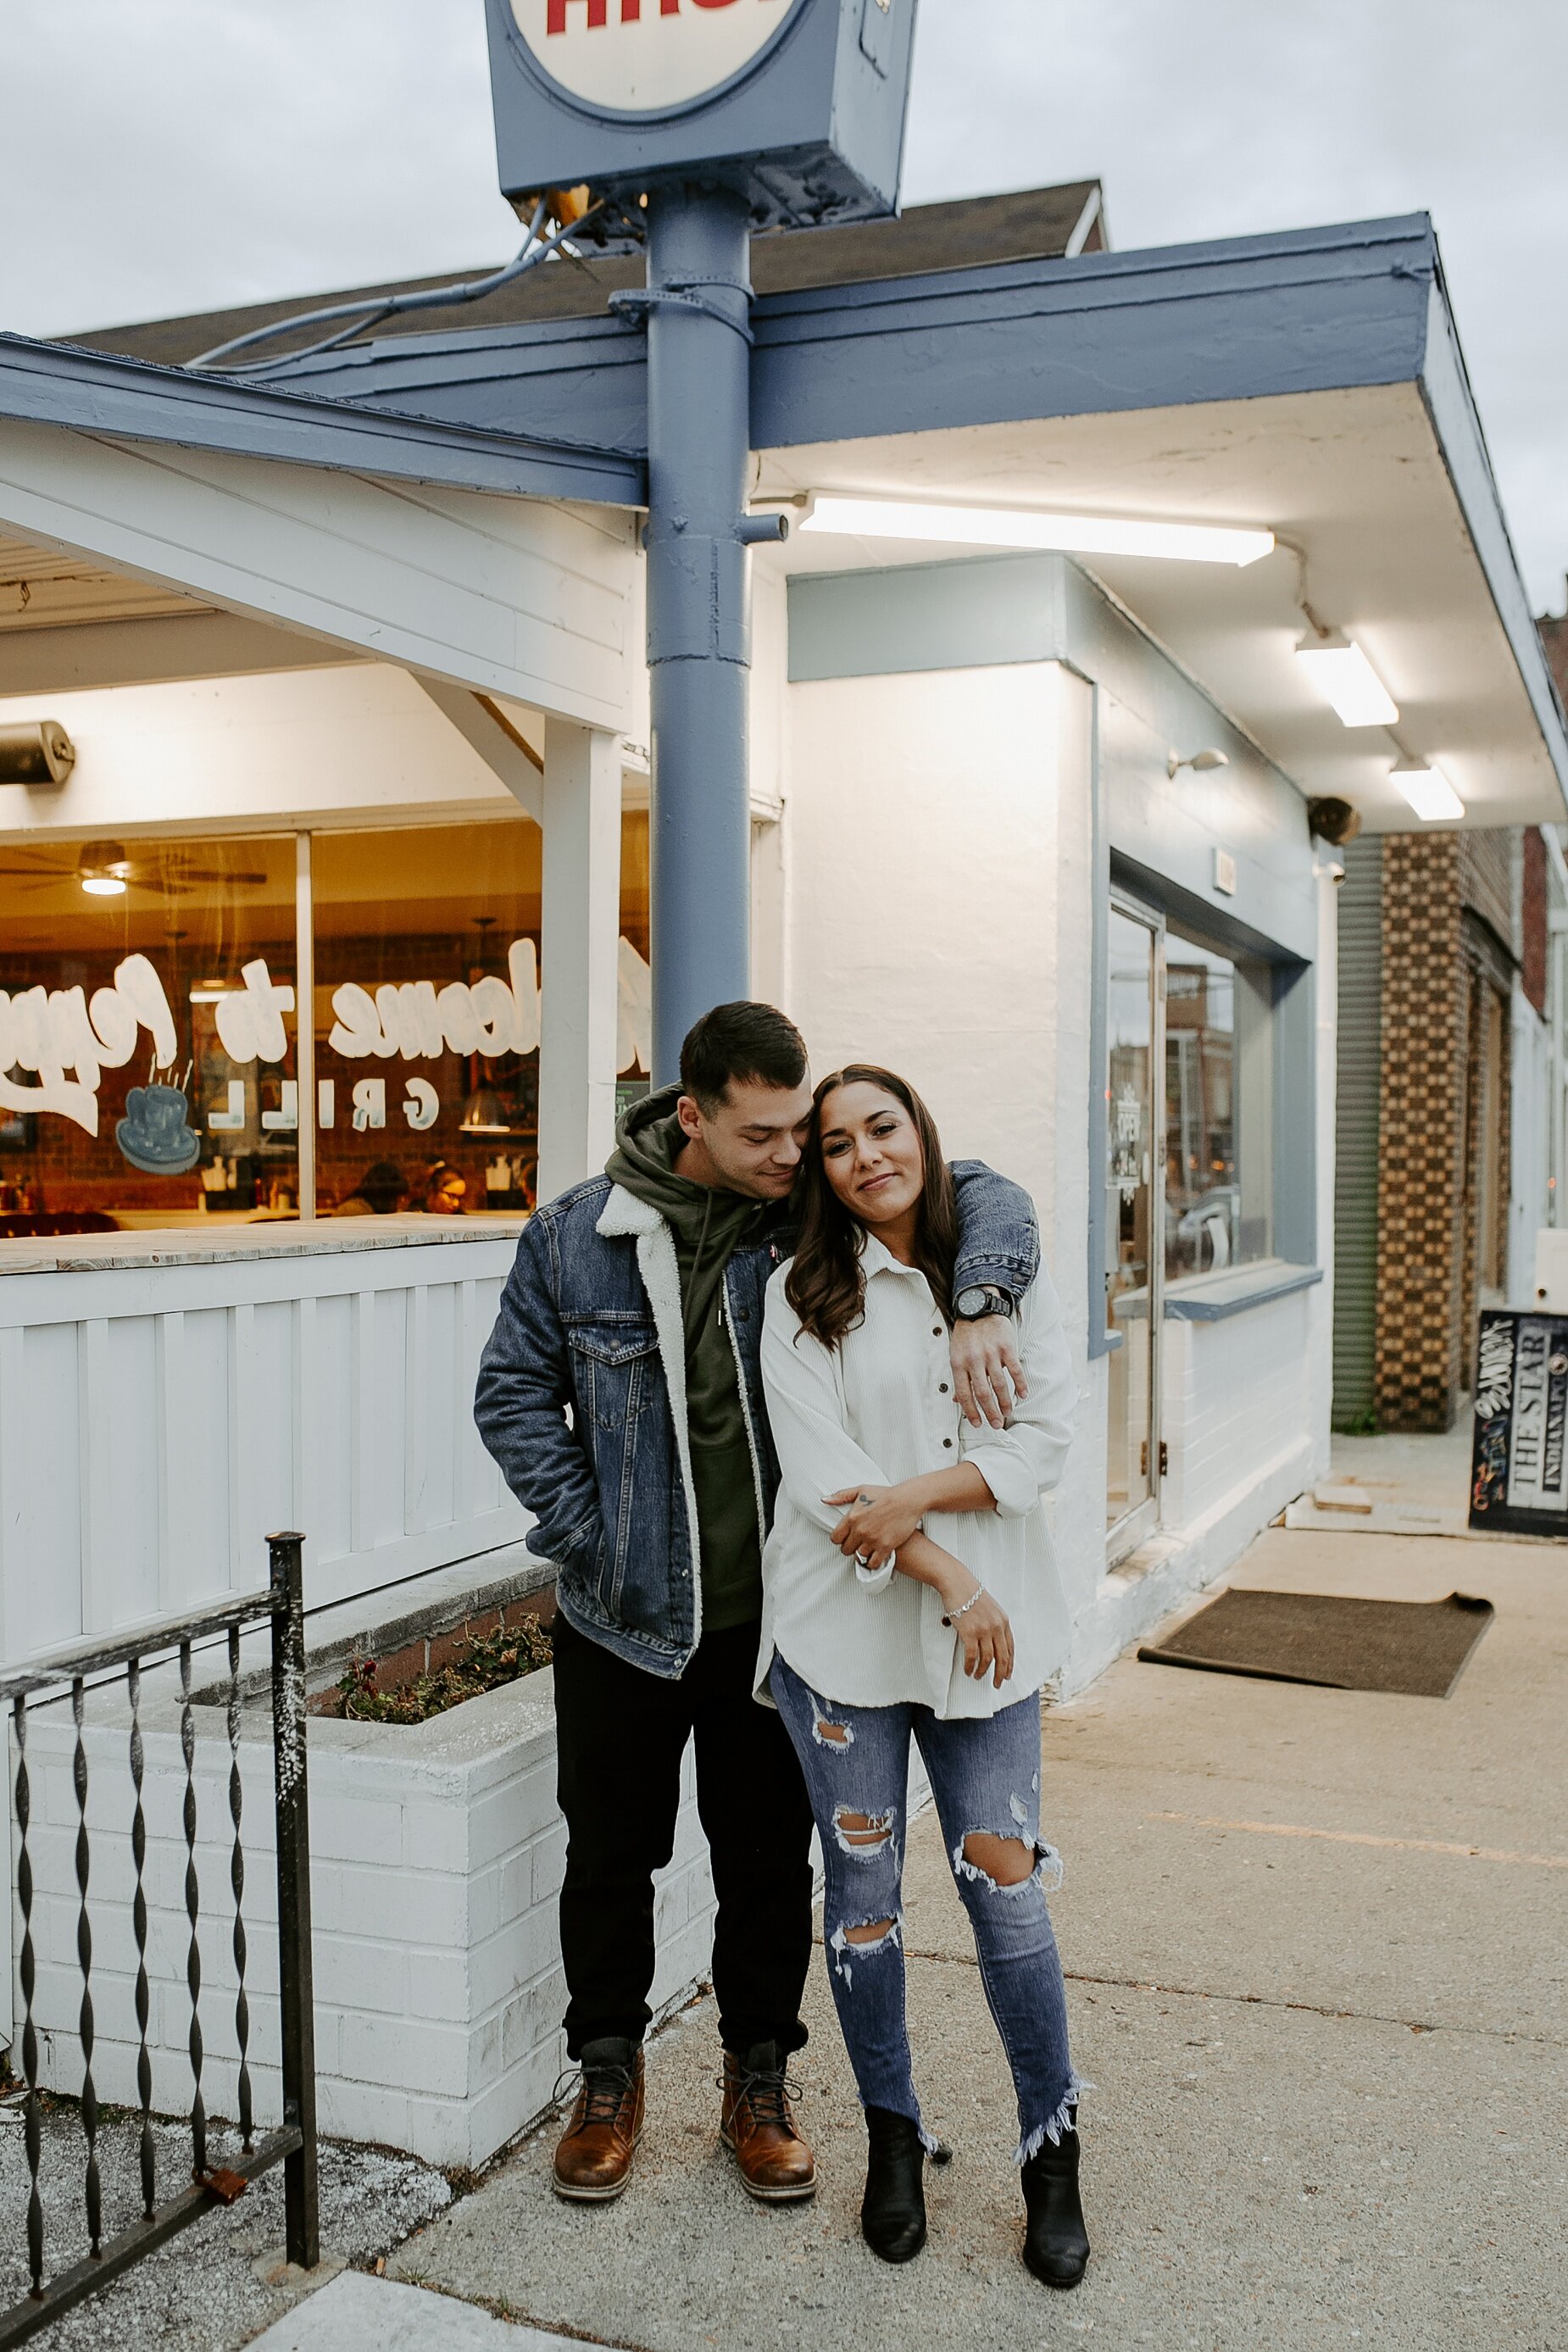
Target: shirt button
944,1388
947,1442
936,1331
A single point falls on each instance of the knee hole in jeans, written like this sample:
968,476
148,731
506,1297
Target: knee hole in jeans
1006,1862
863,1833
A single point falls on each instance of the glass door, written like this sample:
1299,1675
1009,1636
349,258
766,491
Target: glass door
1134,1222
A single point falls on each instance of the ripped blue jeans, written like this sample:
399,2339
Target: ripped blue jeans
985,1778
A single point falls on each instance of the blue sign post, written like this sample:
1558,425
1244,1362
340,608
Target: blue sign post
698,120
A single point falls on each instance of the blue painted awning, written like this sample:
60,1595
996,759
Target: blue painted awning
58,383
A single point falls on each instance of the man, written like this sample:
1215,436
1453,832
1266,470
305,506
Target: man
621,1394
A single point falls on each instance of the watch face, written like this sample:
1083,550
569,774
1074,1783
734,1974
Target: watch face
971,1303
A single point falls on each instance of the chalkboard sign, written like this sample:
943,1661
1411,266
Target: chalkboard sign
1519,1474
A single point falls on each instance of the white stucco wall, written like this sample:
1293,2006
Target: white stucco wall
936,901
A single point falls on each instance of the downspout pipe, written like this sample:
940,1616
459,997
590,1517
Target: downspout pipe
698,304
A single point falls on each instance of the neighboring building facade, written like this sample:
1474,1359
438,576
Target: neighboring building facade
1435,1150
1452,1101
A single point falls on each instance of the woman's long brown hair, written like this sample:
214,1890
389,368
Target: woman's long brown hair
826,1285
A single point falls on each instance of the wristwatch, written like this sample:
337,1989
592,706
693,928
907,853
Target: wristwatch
980,1299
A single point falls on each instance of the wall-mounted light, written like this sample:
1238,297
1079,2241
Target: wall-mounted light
1347,681
1065,534
1429,791
1334,821
1202,762
39,753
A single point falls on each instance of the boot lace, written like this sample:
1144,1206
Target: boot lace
769,2092
605,2091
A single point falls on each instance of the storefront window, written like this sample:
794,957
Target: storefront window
147,1044
1219,1110
149,1072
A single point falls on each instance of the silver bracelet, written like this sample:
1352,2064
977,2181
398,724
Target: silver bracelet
954,1615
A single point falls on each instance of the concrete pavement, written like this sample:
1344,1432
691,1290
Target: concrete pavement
1316,1949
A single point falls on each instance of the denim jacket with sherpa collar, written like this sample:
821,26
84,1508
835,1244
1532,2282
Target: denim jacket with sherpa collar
581,1395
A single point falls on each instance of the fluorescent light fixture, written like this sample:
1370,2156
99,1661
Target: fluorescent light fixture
103,886
1428,791
1066,534
1347,680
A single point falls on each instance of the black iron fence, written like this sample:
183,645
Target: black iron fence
294,2146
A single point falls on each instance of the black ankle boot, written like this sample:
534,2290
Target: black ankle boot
893,2210
1056,2244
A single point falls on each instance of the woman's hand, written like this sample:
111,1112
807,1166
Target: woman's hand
877,1520
986,1633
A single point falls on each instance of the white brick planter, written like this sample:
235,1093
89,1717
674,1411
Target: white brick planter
436,1857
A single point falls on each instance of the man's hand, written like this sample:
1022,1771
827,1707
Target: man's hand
987,1377
877,1520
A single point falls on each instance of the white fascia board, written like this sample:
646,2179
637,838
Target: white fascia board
503,595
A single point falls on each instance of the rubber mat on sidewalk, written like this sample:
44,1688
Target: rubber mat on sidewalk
1416,1649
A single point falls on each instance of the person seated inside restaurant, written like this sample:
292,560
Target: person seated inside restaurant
381,1191
446,1189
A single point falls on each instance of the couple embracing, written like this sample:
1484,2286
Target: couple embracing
783,1391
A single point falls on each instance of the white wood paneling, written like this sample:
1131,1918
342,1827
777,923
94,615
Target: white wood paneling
509,596
580,955
157,1422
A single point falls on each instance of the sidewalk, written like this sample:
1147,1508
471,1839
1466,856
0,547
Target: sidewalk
1316,1949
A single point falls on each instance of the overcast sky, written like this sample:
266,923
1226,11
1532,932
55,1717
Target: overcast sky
164,156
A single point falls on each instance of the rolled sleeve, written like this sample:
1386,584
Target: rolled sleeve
877,1579
1009,1469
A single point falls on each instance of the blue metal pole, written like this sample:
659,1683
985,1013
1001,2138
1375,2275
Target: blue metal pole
699,624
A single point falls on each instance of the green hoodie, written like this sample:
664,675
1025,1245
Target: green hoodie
707,1225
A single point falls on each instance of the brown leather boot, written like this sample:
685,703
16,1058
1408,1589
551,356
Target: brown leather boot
775,2163
593,2159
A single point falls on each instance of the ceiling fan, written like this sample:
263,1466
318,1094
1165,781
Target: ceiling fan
103,870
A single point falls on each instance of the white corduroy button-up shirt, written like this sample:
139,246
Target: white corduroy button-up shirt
874,1410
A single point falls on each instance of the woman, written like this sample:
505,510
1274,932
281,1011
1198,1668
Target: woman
446,1189
908,1591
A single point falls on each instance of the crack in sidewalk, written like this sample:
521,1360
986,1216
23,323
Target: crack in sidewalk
1264,2000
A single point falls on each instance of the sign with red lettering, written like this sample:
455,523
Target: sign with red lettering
797,105
647,57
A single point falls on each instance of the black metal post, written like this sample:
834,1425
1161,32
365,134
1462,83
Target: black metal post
301,2233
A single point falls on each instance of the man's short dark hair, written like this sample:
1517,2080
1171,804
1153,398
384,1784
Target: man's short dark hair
751,1043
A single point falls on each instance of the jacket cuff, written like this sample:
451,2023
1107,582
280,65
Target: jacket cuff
1013,1275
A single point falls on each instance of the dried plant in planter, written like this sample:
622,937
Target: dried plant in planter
485,1661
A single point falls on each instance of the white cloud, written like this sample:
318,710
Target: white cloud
174,155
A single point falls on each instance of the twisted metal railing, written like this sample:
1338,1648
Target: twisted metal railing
295,2145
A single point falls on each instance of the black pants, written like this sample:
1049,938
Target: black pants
622,1734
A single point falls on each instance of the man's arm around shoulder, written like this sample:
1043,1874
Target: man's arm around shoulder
998,1235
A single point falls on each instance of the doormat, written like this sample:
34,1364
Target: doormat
1417,1649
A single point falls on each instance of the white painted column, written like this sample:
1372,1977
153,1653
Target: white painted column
581,928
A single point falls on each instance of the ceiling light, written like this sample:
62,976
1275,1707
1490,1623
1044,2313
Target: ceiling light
1068,534
1347,680
1429,791
103,886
